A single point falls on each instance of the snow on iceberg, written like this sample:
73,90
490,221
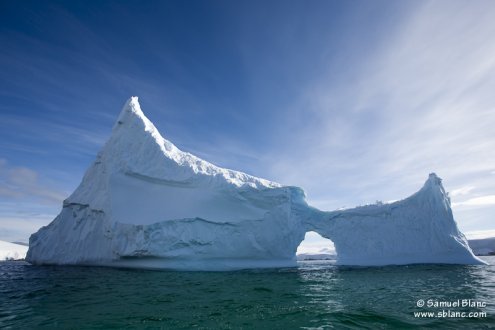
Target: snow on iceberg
145,203
12,251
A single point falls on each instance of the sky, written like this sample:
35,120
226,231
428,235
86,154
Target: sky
354,101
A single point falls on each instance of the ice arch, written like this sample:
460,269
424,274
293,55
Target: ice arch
418,229
314,243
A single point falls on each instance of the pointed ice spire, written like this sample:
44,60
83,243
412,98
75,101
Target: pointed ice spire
137,145
132,118
434,183
131,107
434,191
434,179
130,112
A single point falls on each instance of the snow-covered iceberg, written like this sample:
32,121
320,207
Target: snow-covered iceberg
12,251
145,203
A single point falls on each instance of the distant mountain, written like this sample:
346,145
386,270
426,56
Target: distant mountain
483,247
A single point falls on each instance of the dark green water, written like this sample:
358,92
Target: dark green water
315,295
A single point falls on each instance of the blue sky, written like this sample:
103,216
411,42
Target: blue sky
355,101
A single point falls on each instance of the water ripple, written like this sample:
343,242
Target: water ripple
317,295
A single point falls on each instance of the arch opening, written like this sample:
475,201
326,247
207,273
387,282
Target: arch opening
316,247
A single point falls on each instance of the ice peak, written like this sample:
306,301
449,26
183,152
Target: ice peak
132,118
433,176
131,110
433,187
133,127
433,180
135,136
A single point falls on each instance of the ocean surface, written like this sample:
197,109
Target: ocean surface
316,295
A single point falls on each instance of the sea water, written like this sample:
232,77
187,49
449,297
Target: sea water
316,295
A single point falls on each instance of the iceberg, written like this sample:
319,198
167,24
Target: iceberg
12,251
144,203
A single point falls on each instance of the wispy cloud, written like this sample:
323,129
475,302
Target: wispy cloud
23,183
461,191
477,201
352,109
480,234
27,202
18,228
423,102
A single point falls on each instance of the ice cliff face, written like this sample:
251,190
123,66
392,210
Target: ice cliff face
145,203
